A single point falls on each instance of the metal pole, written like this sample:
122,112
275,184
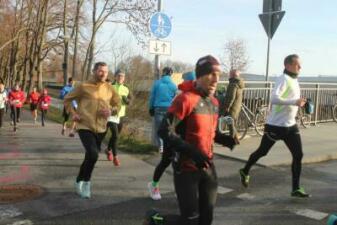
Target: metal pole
157,58
267,67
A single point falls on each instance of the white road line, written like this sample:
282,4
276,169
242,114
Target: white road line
22,222
316,215
246,196
9,212
224,190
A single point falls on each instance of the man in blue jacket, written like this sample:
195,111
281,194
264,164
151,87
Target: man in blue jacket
64,91
161,96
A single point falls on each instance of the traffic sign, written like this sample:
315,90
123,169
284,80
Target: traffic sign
271,21
160,25
160,47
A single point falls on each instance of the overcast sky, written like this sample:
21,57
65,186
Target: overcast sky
199,27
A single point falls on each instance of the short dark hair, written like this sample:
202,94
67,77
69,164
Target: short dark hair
70,79
98,64
290,59
167,71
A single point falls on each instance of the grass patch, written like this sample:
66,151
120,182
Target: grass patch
130,140
133,144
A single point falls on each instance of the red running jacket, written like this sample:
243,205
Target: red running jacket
16,98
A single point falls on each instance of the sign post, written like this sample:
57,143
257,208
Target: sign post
271,19
160,27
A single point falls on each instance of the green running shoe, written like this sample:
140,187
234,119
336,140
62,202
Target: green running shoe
153,217
300,193
244,178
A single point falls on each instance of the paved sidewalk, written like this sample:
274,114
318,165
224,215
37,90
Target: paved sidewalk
319,144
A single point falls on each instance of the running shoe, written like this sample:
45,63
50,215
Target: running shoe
116,161
63,131
300,193
86,193
152,217
71,134
109,155
154,192
244,178
78,186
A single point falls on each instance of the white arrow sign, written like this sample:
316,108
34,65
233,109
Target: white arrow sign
160,47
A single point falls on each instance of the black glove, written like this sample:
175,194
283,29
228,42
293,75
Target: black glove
125,100
225,140
151,112
201,160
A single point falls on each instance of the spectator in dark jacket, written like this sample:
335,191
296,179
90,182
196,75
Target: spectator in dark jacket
233,99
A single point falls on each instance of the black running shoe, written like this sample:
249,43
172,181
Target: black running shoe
244,178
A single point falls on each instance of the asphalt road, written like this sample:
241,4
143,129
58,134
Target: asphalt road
120,196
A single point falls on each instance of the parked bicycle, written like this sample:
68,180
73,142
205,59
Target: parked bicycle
302,118
247,119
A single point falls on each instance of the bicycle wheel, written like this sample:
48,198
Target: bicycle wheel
260,120
303,118
241,126
334,113
306,120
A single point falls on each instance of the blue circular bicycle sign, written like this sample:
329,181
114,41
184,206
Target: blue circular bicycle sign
160,25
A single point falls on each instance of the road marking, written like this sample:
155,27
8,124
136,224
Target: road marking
316,215
9,212
224,190
246,196
22,222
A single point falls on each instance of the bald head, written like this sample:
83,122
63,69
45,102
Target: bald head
234,73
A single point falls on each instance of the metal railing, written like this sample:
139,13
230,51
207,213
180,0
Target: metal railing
324,96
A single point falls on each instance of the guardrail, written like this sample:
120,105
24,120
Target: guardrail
324,95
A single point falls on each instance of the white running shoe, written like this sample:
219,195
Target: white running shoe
154,192
78,186
85,193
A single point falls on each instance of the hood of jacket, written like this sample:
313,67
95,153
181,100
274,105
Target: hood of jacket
186,86
166,79
238,81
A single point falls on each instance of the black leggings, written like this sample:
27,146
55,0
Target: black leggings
115,131
92,144
15,114
165,161
43,116
196,192
65,115
2,113
292,138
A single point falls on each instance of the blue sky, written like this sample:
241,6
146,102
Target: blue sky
309,28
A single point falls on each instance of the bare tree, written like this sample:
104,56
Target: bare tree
178,66
235,55
132,13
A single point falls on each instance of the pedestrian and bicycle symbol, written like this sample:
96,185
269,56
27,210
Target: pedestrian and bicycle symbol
160,25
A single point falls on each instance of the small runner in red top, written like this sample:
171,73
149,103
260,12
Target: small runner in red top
44,103
33,100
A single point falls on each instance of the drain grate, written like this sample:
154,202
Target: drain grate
19,192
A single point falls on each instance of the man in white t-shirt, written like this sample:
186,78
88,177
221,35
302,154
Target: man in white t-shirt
281,124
